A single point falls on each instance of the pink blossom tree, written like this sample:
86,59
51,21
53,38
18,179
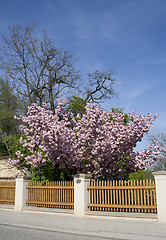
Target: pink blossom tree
98,142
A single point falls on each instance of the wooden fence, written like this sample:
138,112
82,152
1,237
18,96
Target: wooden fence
122,196
7,192
51,194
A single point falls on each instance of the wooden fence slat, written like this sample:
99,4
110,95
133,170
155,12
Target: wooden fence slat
120,195
51,194
111,195
121,187
121,206
126,196
148,196
7,192
138,196
154,198
54,203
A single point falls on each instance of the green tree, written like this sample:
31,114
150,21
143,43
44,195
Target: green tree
76,105
139,175
8,108
48,172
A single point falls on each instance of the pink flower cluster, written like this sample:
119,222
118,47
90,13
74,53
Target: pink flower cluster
150,155
99,142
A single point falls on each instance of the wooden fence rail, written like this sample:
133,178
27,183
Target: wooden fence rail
51,194
122,196
7,192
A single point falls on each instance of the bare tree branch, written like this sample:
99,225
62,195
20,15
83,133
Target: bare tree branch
38,70
100,87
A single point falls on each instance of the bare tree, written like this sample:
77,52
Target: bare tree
100,87
160,137
39,71
161,163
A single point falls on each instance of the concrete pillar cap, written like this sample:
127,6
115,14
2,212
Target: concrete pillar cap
23,175
83,175
159,173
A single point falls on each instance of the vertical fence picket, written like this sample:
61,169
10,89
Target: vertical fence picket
148,196
144,184
129,194
111,196
33,192
154,197
65,198
141,195
117,191
7,192
107,183
102,195
99,193
114,196
125,197
32,198
94,197
121,196
93,194
132,197
51,194
138,196
135,196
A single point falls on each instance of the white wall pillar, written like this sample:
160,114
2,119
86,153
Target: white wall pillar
21,192
81,196
160,184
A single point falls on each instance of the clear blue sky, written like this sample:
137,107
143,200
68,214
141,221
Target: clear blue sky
128,36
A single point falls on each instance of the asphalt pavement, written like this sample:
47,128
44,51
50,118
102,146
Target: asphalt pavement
19,233
38,225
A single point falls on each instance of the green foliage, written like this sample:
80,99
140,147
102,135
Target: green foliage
3,149
8,108
126,118
44,172
76,105
47,172
14,145
139,175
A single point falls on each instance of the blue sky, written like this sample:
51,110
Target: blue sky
128,36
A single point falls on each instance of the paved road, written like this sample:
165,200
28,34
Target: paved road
34,225
21,233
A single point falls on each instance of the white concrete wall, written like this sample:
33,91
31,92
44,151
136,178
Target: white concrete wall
81,196
160,183
20,193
